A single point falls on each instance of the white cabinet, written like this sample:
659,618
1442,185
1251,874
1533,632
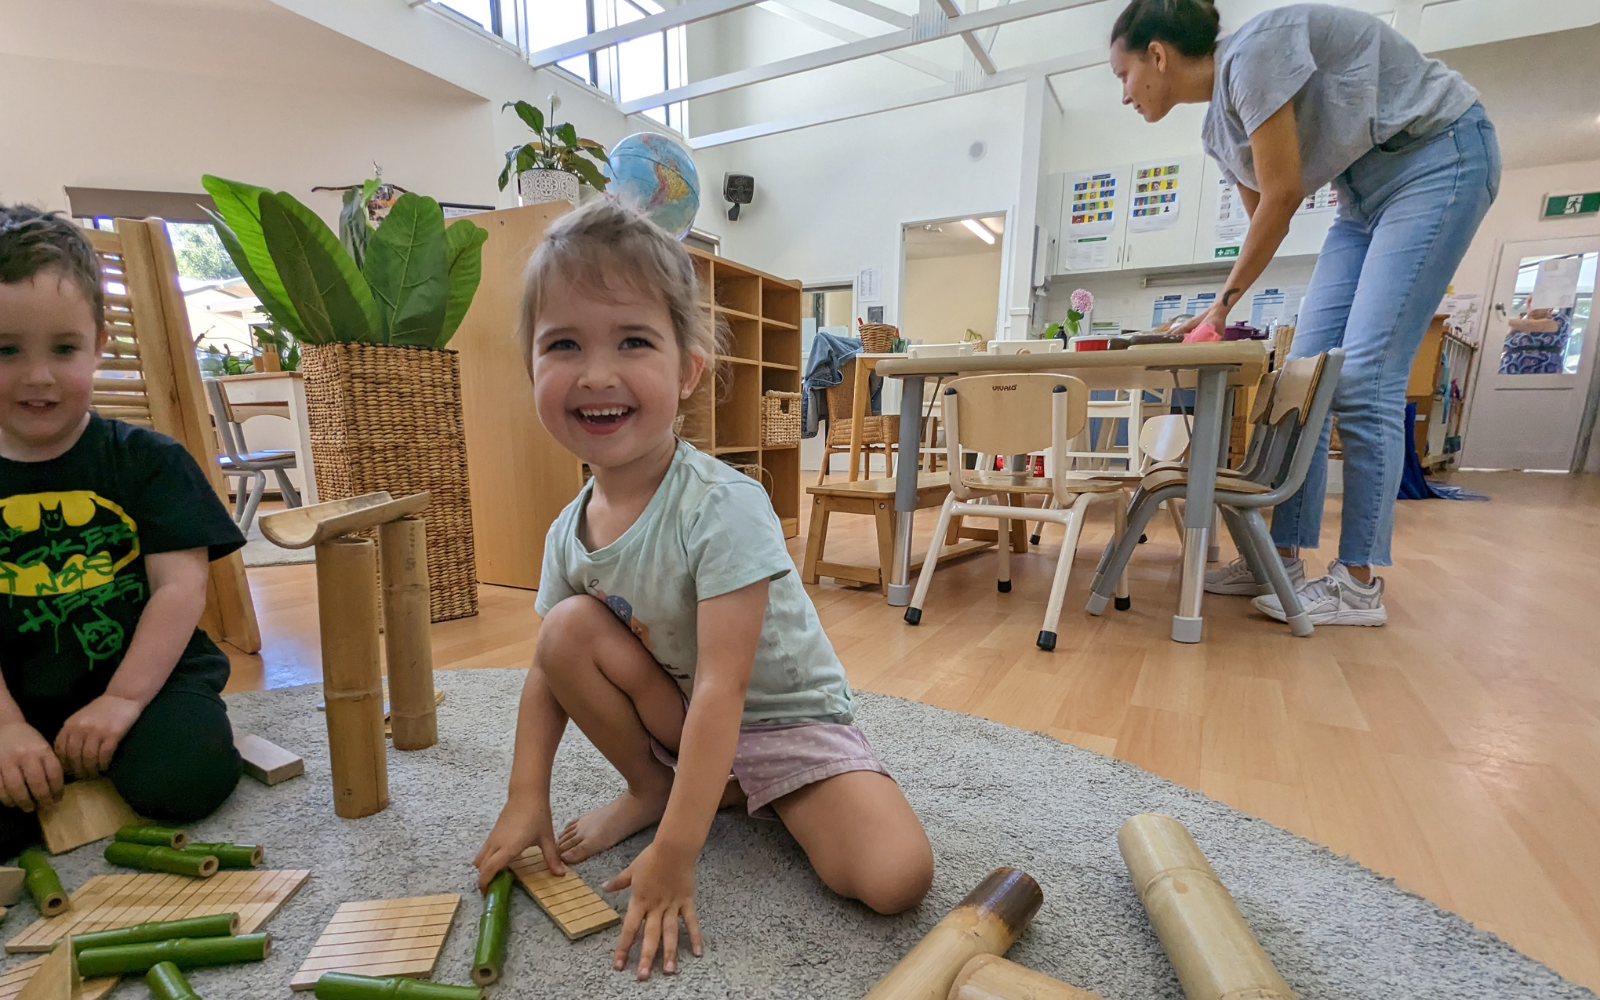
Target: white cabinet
1163,239
1089,243
1223,221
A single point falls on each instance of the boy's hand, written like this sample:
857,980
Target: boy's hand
89,737
663,892
521,825
29,771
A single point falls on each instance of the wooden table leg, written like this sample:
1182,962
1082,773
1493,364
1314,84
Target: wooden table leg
884,522
858,414
816,537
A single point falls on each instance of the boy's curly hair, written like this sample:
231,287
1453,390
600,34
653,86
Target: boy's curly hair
32,241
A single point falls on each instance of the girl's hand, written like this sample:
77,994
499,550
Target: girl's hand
663,892
29,771
89,738
521,825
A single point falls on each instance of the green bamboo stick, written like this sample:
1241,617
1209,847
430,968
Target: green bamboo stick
160,859
229,855
151,835
216,925
345,986
494,926
44,885
185,953
166,982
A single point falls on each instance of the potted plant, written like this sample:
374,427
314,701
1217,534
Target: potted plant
372,315
556,164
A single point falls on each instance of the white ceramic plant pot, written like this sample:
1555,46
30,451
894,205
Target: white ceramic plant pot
535,187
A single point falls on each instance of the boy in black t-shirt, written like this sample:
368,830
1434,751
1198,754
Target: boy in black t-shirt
106,532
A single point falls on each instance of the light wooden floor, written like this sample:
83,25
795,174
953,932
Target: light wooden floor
1456,750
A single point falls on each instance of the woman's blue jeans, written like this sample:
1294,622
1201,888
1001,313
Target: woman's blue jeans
1407,211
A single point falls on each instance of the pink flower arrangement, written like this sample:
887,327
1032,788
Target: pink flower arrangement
1082,302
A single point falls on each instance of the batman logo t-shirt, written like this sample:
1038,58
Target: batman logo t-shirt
74,532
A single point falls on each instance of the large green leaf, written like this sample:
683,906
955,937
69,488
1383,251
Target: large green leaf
530,115
316,272
354,229
464,265
238,205
406,268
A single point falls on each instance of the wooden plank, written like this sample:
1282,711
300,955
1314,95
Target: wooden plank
56,978
560,897
88,811
265,761
16,978
11,885
381,937
106,902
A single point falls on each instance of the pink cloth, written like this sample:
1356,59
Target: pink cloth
1202,333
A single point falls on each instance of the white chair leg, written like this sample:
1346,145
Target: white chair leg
291,496
1058,587
914,612
1003,547
258,486
1124,602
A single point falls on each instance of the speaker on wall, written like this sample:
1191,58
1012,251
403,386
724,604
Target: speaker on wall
740,189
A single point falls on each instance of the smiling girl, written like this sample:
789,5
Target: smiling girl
676,633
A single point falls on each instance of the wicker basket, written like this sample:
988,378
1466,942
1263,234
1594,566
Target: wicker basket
780,418
878,338
389,418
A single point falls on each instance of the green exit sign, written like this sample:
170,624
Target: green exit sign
1560,206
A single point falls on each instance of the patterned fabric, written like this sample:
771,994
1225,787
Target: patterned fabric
1534,353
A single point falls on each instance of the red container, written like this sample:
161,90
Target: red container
1091,343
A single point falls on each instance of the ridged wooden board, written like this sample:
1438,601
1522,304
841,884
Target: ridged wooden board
381,937
577,909
15,978
106,902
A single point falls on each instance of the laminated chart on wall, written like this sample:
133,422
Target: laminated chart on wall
1166,308
1200,302
1093,201
1323,199
1155,190
1232,222
1271,306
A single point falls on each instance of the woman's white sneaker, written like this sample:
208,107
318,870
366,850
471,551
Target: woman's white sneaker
1335,599
1236,578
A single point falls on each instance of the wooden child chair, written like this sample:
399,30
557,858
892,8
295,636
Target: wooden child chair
1015,415
879,432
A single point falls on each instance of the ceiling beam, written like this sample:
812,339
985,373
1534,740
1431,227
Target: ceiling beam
874,46
874,10
861,109
791,10
974,46
685,13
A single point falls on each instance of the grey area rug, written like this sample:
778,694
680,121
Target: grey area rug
989,795
258,551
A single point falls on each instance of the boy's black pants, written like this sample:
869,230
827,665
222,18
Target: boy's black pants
176,764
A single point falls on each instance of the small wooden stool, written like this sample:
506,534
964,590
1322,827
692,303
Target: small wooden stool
876,497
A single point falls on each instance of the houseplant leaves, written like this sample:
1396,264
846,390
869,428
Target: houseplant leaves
238,222
407,270
331,296
464,265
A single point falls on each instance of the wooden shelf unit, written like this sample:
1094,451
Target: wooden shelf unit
760,315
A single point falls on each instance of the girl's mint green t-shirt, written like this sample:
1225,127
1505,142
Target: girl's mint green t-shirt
708,531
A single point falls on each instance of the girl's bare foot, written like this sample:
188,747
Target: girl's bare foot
609,825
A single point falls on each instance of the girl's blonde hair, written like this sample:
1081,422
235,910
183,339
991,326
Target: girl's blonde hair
603,248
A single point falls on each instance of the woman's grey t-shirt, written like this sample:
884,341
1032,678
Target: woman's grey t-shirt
1355,82
708,531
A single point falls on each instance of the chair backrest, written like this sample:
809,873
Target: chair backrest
1283,414
1164,438
842,397
1296,383
1012,414
1314,399
230,431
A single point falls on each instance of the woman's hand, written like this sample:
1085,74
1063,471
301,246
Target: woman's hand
663,892
522,824
89,738
1217,316
29,771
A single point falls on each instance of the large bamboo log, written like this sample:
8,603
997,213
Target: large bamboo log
216,925
990,977
1210,945
494,926
347,610
230,855
167,982
346,986
160,859
43,884
185,953
408,634
986,922
154,836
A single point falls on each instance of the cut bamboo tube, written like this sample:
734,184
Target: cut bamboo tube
408,634
990,977
185,953
347,986
43,883
493,929
231,855
154,836
347,610
216,925
160,859
986,922
1210,945
167,982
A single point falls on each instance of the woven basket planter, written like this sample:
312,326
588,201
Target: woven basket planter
780,418
878,338
389,418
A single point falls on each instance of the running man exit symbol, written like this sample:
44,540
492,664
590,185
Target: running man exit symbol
1559,206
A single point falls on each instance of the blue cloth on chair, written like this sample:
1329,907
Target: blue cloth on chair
829,353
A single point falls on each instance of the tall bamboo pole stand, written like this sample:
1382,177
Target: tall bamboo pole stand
347,610
408,634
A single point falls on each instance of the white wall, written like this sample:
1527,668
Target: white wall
947,296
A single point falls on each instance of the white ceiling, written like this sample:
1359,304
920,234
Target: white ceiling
951,239
1541,91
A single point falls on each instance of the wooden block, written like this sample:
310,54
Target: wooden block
15,979
265,761
106,902
88,811
381,937
577,909
11,885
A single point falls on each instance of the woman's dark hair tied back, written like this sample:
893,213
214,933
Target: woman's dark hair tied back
1190,26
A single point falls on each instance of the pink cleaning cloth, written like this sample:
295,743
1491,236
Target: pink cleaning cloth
1202,333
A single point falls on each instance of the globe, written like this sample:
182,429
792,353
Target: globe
655,177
